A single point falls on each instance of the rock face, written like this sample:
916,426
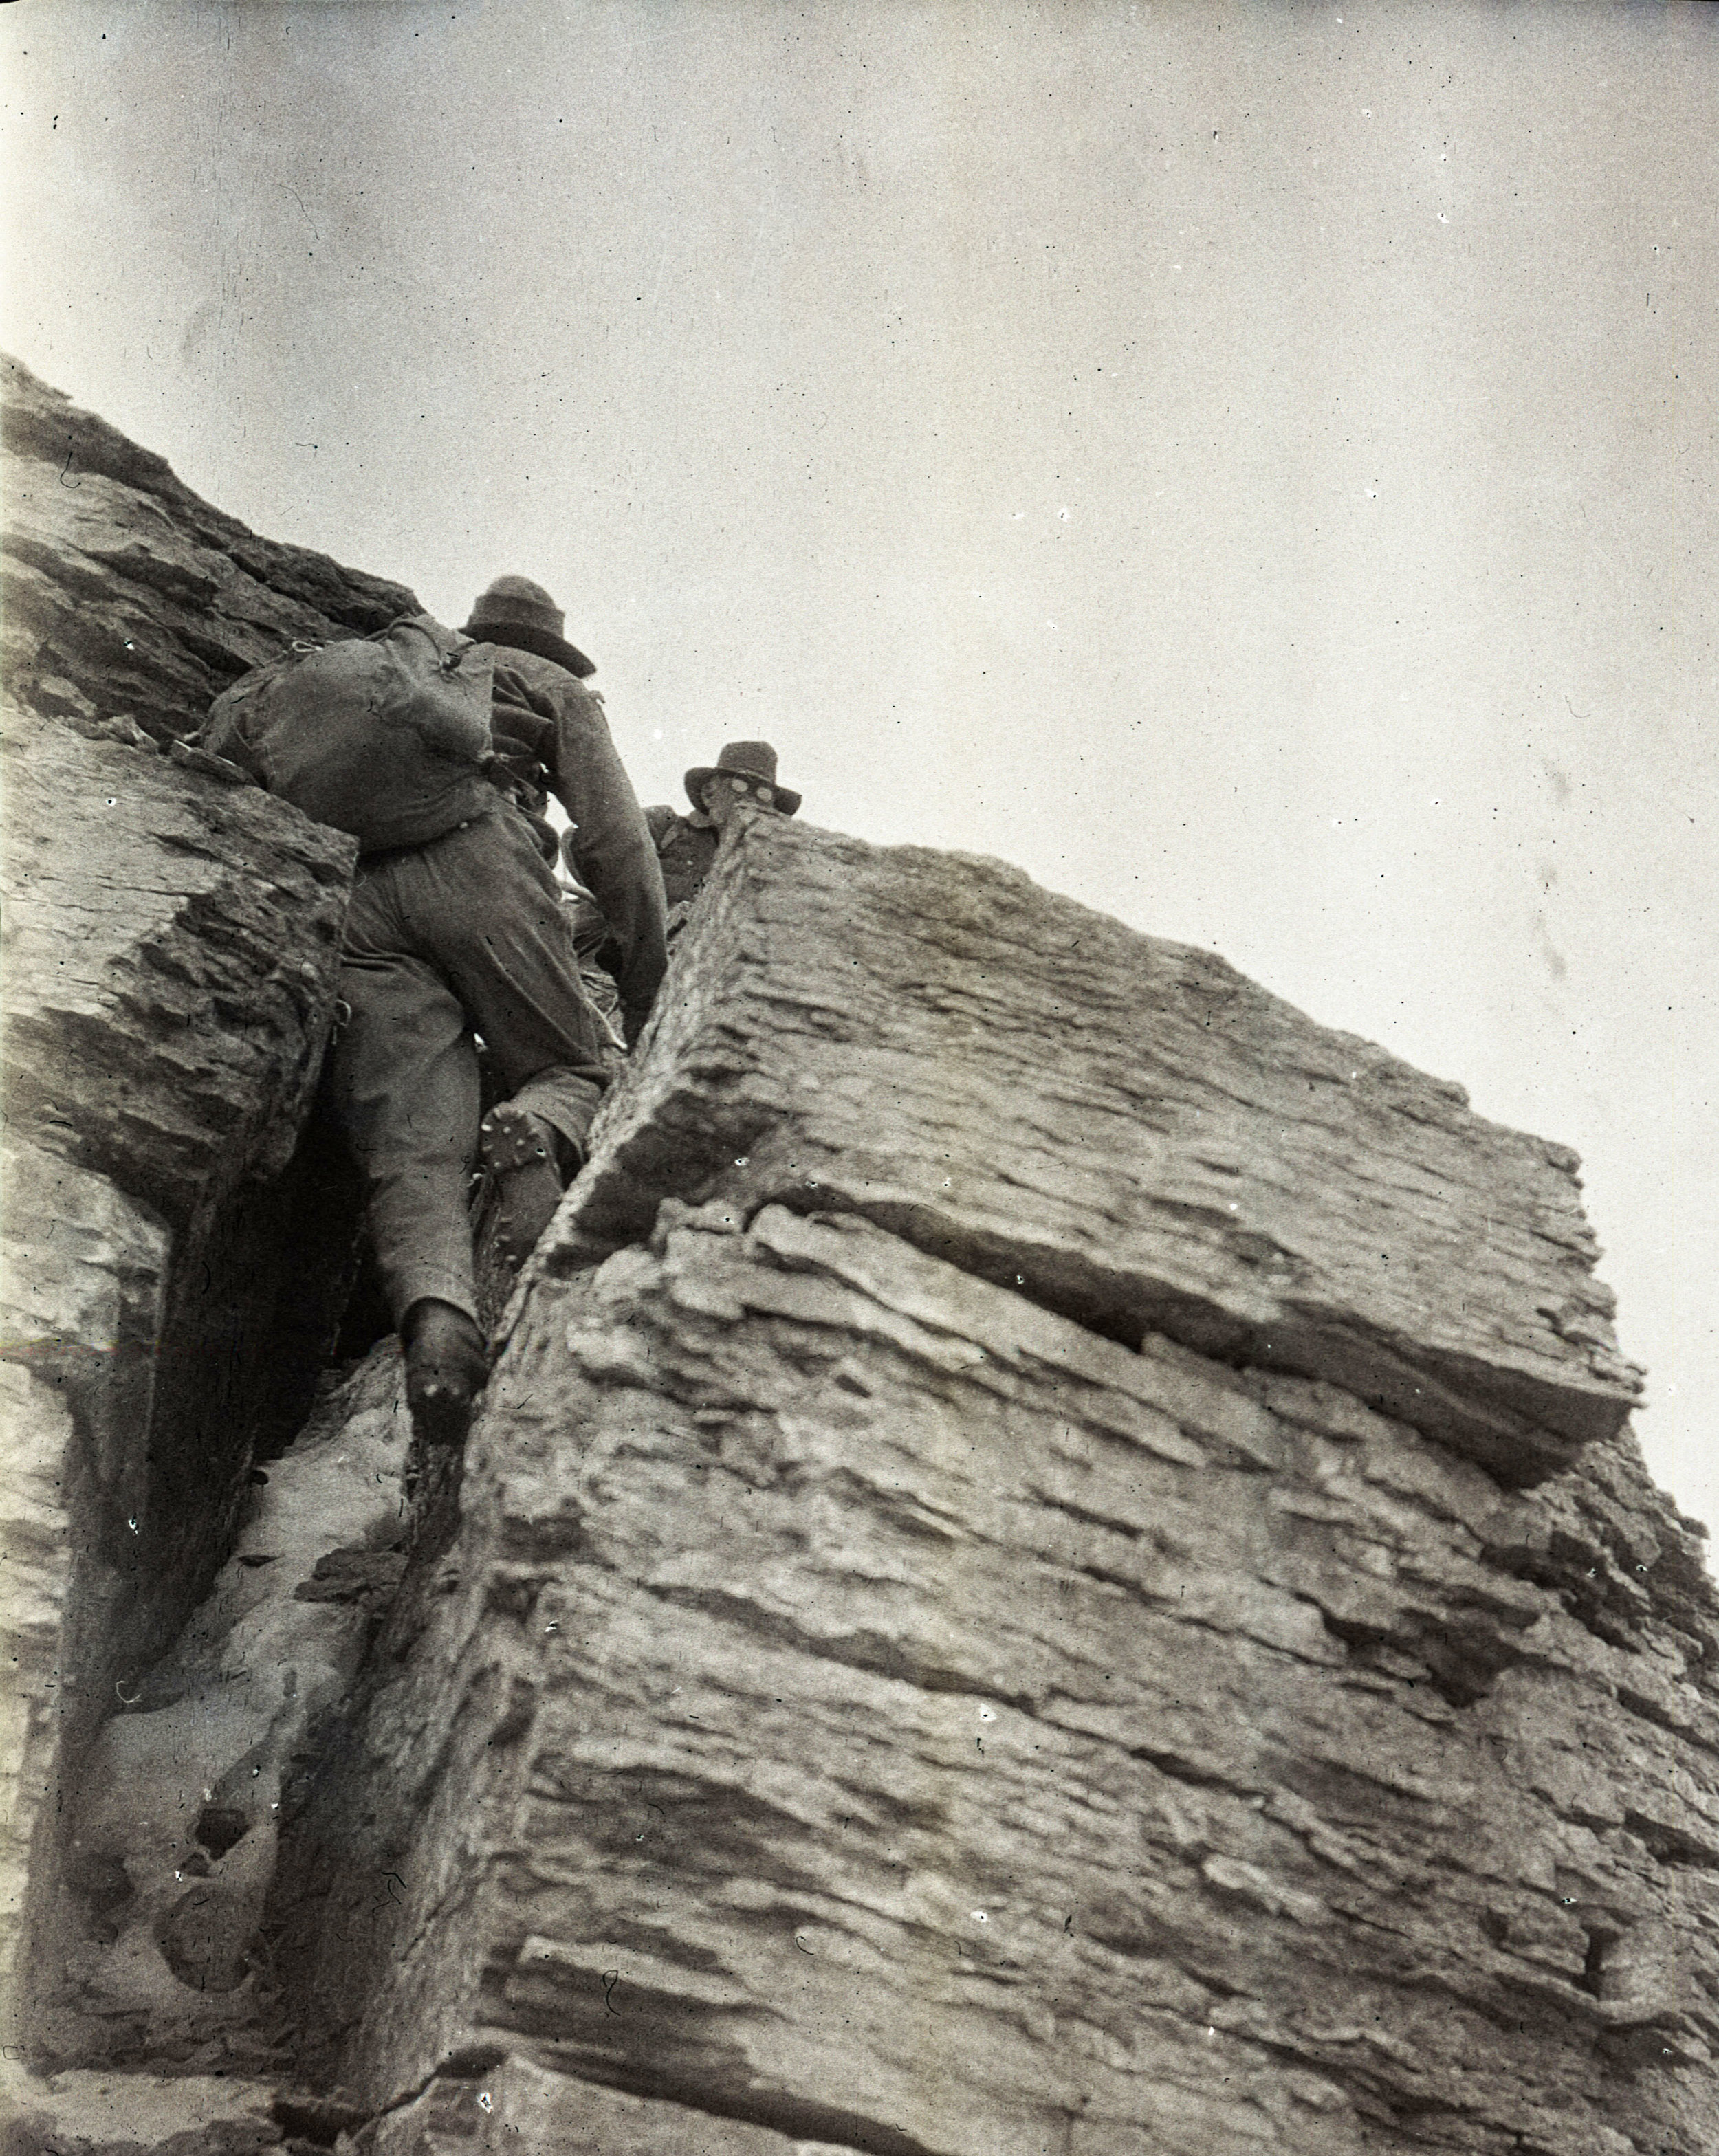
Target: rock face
1054,1564
172,952
172,947
972,1631
180,1802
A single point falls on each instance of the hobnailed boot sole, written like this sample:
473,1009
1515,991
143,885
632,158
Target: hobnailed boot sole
518,1151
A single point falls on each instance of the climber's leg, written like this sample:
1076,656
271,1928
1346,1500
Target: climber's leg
522,1155
406,1091
484,901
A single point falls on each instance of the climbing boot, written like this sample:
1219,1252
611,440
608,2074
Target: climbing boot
519,1153
447,1366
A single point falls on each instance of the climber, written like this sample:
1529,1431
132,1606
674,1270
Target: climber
686,845
457,929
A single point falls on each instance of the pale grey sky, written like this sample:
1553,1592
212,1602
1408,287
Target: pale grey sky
1251,466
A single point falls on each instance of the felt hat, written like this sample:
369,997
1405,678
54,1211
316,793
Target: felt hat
515,611
753,760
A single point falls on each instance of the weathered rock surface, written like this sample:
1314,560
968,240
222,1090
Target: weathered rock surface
1127,1129
82,2113
515,2104
172,947
869,1706
82,1294
1054,1563
123,595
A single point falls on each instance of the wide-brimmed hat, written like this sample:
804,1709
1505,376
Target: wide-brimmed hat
753,760
514,610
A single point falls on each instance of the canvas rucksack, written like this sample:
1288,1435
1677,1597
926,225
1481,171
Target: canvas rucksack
378,736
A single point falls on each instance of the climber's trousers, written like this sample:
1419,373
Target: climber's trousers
467,935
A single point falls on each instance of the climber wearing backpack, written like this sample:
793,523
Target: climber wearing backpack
437,754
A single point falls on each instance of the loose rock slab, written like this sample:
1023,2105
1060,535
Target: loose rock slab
868,1707
1125,1128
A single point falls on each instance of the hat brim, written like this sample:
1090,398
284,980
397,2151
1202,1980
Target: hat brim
695,782
523,637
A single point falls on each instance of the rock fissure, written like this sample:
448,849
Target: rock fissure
791,2124
881,1662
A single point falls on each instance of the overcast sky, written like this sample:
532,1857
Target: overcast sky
1252,467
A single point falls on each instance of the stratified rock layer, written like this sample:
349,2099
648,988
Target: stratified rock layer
172,948
125,595
868,1704
1126,1128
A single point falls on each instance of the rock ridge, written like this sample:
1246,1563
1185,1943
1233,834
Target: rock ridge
1148,1142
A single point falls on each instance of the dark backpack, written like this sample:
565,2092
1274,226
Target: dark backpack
374,735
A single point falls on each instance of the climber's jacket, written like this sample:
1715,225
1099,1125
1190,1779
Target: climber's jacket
402,737
552,736
686,848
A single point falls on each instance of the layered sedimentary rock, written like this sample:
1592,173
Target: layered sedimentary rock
1054,1561
172,947
1127,1129
125,596
985,1621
